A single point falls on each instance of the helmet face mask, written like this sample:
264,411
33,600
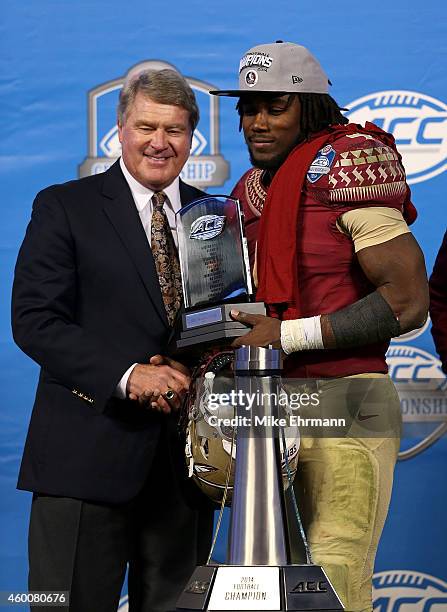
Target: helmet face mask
210,450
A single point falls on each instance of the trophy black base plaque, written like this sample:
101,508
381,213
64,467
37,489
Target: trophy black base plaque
289,588
211,324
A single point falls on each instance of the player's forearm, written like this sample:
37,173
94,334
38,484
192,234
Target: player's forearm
370,320
373,319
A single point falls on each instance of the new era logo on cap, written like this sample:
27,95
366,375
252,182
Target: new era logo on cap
280,67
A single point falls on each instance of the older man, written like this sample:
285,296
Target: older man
327,205
96,290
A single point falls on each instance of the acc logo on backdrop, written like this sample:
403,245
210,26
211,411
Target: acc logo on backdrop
417,122
408,591
413,334
421,385
205,167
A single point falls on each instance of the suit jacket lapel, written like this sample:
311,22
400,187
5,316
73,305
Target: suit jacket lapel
188,193
121,210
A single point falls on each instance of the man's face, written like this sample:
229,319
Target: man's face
271,127
155,140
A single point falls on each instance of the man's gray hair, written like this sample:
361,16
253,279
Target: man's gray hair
163,86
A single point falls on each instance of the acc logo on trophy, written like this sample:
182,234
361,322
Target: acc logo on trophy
408,591
417,122
207,227
205,167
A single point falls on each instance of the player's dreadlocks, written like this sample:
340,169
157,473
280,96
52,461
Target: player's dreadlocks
318,111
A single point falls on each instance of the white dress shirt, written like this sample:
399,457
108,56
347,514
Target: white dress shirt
143,201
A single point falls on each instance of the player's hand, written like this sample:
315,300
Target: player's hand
151,385
266,331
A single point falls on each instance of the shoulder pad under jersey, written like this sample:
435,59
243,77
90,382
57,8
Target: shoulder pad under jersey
357,169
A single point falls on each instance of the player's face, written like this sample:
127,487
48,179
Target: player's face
155,140
271,127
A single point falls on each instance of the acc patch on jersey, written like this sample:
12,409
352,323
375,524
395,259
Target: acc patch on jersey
321,164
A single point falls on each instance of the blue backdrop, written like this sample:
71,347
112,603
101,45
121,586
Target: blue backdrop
62,64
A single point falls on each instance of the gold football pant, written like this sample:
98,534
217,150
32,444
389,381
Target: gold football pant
344,487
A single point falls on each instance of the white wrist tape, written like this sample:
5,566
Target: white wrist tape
301,335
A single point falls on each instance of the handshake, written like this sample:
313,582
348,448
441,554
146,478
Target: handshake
160,384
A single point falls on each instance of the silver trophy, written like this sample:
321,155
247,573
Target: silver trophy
215,272
259,573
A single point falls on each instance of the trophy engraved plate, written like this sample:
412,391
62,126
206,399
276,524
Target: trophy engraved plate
207,317
246,588
213,252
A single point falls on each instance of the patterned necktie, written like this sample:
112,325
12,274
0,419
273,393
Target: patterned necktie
165,257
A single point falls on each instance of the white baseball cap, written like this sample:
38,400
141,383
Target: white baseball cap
280,67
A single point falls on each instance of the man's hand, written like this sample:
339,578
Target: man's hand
266,330
148,383
163,360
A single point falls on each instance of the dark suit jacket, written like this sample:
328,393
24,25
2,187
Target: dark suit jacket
86,305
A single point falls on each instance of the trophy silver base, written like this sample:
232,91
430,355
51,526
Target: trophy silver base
289,588
211,324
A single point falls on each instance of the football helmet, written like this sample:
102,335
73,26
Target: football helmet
210,448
